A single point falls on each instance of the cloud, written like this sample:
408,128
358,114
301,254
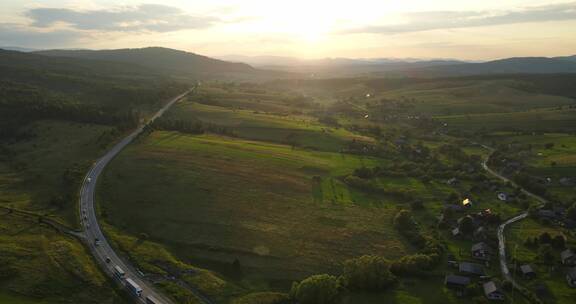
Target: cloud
434,20
145,17
15,34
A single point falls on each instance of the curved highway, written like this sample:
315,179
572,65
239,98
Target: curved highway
96,241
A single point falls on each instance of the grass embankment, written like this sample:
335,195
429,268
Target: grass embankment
38,174
283,213
42,172
41,266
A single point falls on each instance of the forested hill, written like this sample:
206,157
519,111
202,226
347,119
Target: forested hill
34,87
159,58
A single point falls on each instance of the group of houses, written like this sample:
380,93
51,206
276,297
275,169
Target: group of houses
468,271
556,215
462,281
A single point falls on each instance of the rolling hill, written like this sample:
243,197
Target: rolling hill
158,58
517,65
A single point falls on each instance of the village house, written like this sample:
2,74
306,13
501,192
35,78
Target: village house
568,257
456,282
481,251
471,269
546,214
571,277
492,291
527,271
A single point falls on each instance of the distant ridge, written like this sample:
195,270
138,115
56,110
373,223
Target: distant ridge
157,58
516,65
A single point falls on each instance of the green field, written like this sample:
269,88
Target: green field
551,120
549,273
458,97
279,128
214,199
556,162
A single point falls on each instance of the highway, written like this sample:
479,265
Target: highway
89,221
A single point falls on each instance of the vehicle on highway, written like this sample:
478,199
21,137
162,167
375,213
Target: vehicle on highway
119,272
133,287
151,300
96,242
89,179
108,260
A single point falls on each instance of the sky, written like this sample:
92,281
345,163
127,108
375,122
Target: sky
462,29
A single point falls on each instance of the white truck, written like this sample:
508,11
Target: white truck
133,287
118,272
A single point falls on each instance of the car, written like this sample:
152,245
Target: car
89,179
96,241
108,260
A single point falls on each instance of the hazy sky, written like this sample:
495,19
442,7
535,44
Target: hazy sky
467,29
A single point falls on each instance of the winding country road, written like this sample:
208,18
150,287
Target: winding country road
103,252
502,227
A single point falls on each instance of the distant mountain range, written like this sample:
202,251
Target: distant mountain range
344,67
519,65
170,61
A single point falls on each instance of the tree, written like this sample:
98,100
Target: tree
317,289
559,241
404,220
545,238
466,225
545,253
412,264
571,212
368,273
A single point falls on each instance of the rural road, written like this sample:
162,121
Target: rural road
89,221
502,227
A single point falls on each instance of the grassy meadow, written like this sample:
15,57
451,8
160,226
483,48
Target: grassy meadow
283,213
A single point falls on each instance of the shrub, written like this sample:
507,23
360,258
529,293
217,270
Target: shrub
404,220
416,264
317,289
368,273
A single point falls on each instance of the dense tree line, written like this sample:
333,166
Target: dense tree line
190,126
23,103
